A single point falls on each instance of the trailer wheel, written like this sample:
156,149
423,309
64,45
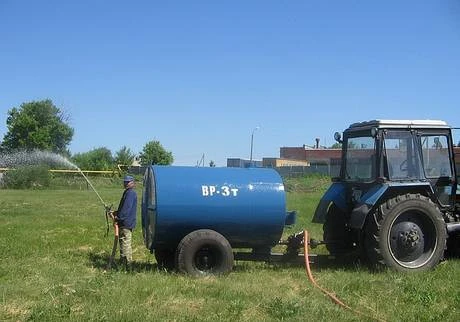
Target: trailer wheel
165,259
406,233
336,234
204,252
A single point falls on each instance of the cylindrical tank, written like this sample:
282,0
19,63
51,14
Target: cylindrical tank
246,205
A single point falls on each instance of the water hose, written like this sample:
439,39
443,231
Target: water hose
115,244
106,207
108,213
331,295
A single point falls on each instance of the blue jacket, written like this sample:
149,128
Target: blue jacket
127,209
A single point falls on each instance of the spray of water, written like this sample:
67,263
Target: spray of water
24,158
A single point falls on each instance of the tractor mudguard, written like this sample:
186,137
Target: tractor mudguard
373,196
335,194
365,204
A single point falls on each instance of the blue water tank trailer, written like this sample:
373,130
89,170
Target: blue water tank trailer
192,217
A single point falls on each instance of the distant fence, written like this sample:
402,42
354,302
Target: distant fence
290,171
299,171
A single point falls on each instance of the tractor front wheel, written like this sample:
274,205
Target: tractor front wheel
406,233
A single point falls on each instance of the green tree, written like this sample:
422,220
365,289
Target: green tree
97,159
154,153
336,146
124,156
37,125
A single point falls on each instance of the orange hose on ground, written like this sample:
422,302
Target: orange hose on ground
329,294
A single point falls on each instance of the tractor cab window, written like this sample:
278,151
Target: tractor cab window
435,150
403,160
360,159
436,162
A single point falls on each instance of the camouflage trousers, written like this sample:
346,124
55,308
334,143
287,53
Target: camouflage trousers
126,250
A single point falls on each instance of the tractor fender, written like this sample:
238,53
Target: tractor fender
336,195
373,196
366,203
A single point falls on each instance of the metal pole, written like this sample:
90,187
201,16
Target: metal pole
252,143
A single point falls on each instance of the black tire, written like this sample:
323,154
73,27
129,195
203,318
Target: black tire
204,252
336,233
406,233
165,259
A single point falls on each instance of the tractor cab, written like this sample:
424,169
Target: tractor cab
395,198
403,153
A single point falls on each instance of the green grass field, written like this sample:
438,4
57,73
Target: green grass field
54,253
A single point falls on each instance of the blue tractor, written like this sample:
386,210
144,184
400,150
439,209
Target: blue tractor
394,203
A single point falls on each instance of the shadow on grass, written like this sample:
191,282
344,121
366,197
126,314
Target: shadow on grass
101,262
345,264
317,262
320,262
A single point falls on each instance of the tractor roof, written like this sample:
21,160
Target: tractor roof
400,124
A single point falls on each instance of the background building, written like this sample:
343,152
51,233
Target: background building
242,163
312,155
279,162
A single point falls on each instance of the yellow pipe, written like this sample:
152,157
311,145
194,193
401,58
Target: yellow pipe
71,171
85,171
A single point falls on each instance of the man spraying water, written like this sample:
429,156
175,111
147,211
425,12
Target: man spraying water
125,219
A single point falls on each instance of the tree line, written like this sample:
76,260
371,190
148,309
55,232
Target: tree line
41,125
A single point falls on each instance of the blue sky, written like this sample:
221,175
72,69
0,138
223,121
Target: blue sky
199,76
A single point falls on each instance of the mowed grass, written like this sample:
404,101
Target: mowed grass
54,255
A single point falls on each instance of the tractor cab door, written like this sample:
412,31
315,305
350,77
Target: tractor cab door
438,166
402,156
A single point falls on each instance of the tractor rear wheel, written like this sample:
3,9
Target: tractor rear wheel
406,233
204,252
336,233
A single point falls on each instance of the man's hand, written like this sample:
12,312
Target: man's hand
113,215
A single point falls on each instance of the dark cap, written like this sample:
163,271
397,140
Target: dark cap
128,179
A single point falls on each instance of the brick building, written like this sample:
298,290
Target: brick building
330,156
279,162
312,155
